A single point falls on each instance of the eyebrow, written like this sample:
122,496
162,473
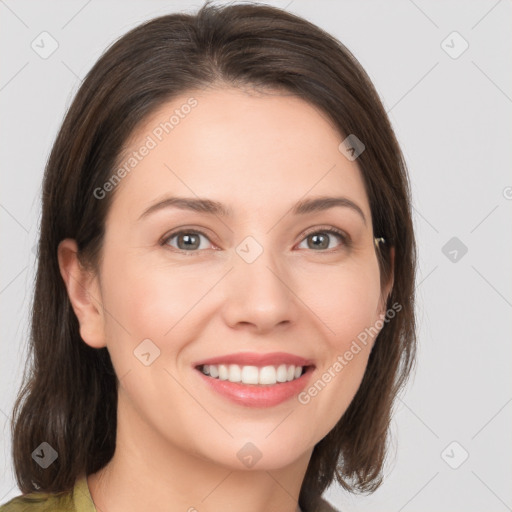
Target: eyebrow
211,207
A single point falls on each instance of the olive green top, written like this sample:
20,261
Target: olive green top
78,500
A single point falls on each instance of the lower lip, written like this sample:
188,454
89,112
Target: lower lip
252,395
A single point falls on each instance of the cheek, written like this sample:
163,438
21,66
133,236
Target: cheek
148,321
144,301
347,314
345,299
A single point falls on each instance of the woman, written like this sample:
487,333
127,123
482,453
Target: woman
224,304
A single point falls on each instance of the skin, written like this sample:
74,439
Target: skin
177,441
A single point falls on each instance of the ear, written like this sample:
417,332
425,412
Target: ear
84,294
388,287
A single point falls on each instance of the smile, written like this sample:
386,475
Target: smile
256,380
267,375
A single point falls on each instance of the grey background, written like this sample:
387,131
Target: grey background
452,117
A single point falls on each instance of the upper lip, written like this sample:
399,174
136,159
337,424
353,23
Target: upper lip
256,359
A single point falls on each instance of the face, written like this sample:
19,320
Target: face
245,285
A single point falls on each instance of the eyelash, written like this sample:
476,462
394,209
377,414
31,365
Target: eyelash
345,239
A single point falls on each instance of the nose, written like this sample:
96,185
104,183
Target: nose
259,295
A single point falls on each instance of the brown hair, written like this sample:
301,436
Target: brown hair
69,398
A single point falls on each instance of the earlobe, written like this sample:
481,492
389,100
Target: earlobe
83,292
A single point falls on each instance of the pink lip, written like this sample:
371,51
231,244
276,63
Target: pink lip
255,359
252,395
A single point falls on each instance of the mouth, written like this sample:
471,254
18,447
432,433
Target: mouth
253,375
256,380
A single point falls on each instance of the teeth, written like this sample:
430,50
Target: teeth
281,373
267,375
250,374
234,374
223,372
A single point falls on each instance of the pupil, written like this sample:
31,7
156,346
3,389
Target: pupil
191,241
323,244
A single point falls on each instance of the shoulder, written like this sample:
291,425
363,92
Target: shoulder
39,502
77,499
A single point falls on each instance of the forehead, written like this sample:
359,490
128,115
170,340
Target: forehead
246,149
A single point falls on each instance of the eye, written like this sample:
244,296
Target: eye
321,238
186,240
